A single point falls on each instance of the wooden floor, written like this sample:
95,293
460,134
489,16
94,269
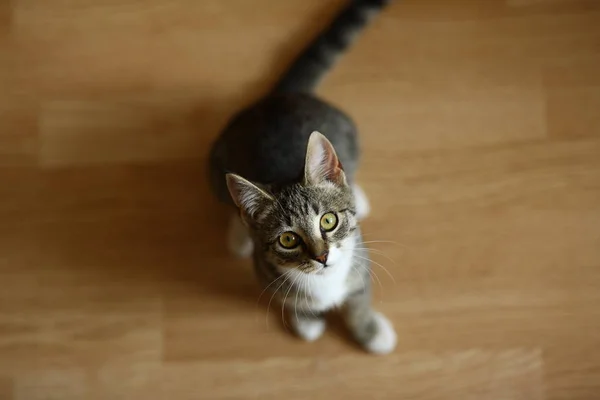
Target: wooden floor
480,124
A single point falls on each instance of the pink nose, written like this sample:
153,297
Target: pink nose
322,258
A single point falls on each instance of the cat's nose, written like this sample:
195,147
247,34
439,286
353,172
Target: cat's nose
322,258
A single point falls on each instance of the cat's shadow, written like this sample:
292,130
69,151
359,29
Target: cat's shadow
148,224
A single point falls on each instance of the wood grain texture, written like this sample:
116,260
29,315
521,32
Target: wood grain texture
480,127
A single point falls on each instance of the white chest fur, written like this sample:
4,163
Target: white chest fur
330,289
326,292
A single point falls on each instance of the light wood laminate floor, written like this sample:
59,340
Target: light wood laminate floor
480,125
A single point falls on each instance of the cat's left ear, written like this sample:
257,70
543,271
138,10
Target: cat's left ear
248,197
322,163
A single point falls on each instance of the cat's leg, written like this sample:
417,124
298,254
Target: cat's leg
371,329
239,241
307,326
363,208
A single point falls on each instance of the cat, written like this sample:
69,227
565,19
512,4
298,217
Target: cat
288,163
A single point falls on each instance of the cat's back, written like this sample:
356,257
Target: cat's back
266,142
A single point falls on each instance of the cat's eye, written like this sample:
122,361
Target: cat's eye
289,240
328,222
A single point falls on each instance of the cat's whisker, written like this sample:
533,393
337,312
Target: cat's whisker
382,267
381,241
358,264
301,279
354,269
370,234
376,251
273,295
305,289
293,279
267,287
372,274
264,291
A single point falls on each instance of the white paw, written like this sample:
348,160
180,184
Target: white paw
363,208
309,330
238,240
385,339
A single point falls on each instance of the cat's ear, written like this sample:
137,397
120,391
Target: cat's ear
248,197
322,163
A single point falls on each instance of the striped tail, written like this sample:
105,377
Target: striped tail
310,67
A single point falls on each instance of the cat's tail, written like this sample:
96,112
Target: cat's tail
309,68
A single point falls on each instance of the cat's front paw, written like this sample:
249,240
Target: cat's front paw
308,329
384,339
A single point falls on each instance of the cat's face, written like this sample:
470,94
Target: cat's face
308,226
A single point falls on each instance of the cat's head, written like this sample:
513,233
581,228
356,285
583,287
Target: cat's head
310,225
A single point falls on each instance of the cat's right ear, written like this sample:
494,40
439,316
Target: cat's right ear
322,163
248,197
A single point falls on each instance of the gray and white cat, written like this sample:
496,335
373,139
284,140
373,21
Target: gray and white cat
288,163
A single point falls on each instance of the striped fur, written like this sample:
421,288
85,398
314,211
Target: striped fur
307,71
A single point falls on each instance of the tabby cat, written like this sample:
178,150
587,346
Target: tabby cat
288,163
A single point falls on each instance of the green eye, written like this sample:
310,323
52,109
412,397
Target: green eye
329,222
289,240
